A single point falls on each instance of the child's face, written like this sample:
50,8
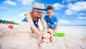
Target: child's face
50,13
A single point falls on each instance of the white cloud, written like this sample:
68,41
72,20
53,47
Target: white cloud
21,14
2,7
63,1
81,17
26,2
9,2
76,7
81,14
64,21
57,6
68,1
79,22
68,12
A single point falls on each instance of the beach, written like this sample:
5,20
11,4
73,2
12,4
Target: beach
22,38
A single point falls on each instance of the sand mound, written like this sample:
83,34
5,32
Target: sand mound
21,38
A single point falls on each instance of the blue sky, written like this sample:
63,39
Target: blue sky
69,12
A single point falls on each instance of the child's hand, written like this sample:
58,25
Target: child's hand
51,34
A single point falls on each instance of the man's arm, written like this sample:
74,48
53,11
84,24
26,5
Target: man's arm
33,28
44,24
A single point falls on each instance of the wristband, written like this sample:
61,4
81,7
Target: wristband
45,28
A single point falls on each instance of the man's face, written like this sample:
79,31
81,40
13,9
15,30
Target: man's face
37,13
50,13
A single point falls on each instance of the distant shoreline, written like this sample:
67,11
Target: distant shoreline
8,22
59,25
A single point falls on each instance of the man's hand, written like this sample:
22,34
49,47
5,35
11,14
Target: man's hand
40,39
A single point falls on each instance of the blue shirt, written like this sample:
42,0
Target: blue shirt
25,20
52,20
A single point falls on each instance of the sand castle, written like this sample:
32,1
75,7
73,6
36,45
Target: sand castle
46,41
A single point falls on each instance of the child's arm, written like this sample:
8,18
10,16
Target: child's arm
55,30
33,28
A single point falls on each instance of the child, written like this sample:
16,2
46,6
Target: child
51,20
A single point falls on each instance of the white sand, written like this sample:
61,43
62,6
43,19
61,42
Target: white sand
75,38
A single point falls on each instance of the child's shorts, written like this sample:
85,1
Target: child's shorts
52,26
